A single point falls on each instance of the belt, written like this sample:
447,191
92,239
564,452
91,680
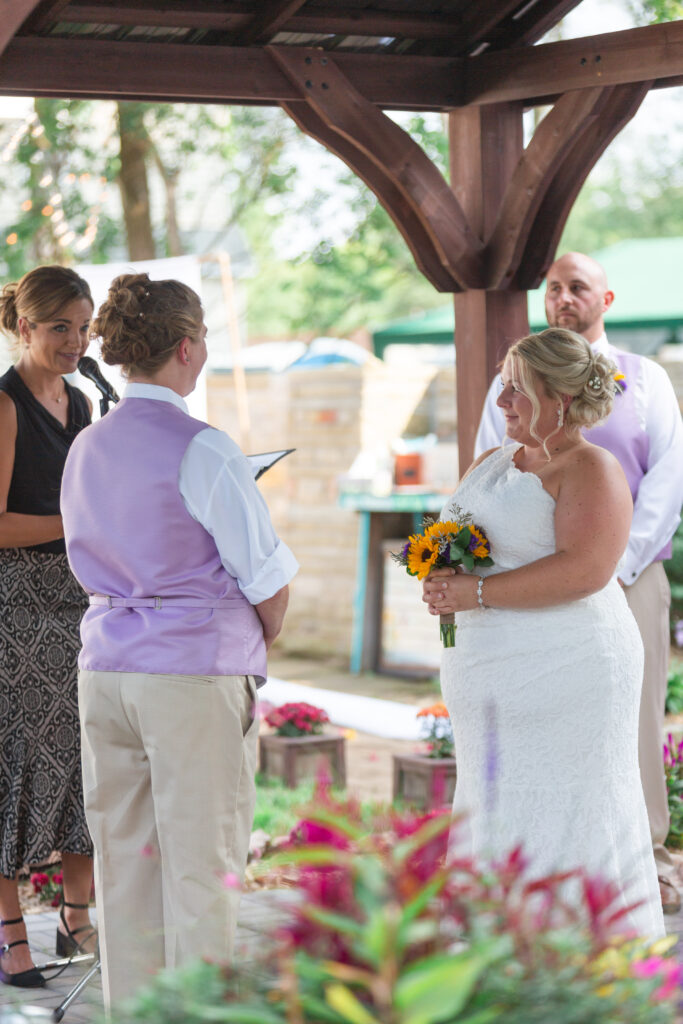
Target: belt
164,602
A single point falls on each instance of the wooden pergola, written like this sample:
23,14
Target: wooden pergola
335,66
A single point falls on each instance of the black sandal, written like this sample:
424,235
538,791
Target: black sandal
69,945
32,978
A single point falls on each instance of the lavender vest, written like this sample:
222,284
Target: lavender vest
622,433
130,538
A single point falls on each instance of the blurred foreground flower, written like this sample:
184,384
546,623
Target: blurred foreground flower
387,930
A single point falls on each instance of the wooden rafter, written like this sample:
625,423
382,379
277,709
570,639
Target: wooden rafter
391,161
268,20
12,14
545,232
45,13
552,142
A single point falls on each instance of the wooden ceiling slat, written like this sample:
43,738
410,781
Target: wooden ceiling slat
199,15
614,58
113,70
233,17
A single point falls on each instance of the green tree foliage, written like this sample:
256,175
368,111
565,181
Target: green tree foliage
55,183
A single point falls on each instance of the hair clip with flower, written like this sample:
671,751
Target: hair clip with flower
594,382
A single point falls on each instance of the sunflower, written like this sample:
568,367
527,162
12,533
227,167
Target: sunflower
479,545
440,530
421,556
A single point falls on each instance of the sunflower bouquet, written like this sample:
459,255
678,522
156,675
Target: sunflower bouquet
443,545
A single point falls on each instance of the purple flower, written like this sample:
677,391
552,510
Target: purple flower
678,633
406,549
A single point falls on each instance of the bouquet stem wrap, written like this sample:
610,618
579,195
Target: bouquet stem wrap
447,629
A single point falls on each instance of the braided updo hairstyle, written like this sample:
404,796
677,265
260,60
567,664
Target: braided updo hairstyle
142,322
39,296
566,365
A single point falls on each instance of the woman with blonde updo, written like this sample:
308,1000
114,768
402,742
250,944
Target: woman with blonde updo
543,686
47,316
188,583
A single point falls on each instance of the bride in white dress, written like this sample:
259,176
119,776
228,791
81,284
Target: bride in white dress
543,685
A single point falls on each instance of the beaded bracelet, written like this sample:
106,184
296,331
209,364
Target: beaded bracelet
480,587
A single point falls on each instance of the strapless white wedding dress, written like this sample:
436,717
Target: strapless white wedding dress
545,705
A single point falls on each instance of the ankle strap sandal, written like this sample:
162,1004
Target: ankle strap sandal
67,944
32,978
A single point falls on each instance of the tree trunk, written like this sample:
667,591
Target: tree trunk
133,181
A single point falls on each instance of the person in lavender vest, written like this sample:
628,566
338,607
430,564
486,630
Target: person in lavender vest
644,431
167,532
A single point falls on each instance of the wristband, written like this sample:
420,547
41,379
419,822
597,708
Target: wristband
480,587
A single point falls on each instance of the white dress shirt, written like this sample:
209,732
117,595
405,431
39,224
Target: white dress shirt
657,509
217,486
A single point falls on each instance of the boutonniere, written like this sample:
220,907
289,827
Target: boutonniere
620,384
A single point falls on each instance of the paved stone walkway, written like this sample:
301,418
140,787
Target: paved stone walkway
259,913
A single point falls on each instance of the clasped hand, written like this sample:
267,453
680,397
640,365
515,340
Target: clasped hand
449,590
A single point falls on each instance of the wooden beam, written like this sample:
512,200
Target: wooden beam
485,146
486,324
12,15
614,58
398,160
532,22
219,74
550,146
197,14
551,216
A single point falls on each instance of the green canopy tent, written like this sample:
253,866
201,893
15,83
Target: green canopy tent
644,274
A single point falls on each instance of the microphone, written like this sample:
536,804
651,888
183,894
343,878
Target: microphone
89,368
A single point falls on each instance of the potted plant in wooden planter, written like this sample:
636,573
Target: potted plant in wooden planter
427,779
298,748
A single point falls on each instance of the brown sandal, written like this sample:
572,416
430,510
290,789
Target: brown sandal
671,898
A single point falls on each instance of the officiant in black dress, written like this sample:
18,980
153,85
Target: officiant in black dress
46,315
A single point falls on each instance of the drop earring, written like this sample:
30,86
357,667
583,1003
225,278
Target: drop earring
560,416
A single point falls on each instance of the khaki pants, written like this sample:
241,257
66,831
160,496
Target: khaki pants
649,599
168,773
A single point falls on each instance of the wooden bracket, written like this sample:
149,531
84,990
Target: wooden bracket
13,14
617,108
403,178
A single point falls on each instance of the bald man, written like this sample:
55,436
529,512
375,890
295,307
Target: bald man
644,431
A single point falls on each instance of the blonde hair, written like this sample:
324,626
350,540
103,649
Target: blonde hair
39,296
566,364
142,322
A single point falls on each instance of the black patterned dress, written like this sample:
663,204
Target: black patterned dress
41,605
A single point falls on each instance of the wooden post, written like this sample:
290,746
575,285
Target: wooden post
486,144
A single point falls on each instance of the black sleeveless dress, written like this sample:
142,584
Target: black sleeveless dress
41,605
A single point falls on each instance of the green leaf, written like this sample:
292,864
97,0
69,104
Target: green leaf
234,1013
342,999
335,922
439,987
468,561
463,537
485,562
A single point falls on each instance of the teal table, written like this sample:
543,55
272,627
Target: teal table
381,517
